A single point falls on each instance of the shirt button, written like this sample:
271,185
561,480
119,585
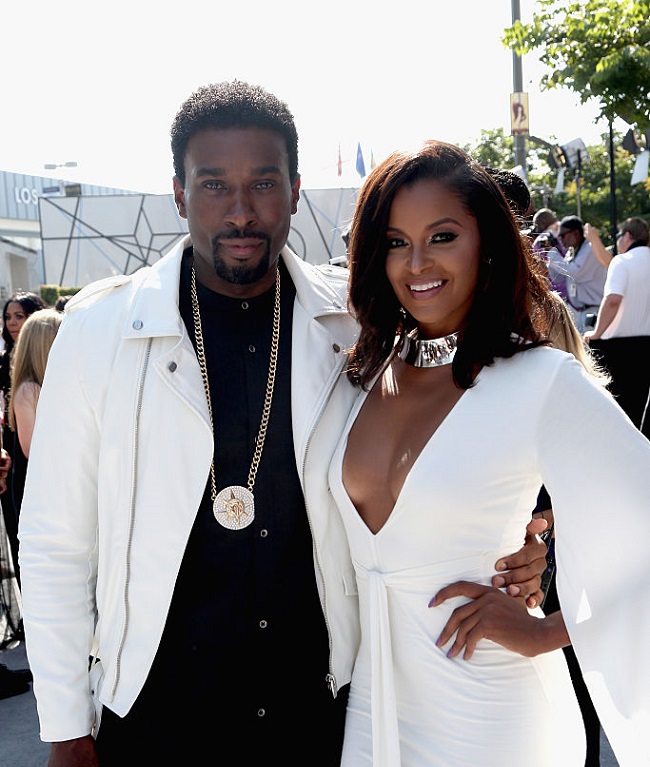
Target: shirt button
261,712
263,624
251,348
244,304
172,367
138,324
336,348
264,533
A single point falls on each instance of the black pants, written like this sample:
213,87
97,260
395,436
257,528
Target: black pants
625,359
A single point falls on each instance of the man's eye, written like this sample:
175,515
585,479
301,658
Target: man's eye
213,185
265,185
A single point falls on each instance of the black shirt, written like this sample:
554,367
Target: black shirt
245,646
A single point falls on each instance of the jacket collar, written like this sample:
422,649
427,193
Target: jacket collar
154,308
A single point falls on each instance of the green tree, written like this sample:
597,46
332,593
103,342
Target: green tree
598,48
595,189
495,149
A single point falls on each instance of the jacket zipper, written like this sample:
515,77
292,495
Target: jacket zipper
136,443
330,678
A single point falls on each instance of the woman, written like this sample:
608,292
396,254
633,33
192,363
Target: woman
17,309
457,425
27,371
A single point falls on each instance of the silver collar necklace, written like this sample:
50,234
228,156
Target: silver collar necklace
428,352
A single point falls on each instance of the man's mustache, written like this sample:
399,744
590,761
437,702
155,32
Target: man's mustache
239,234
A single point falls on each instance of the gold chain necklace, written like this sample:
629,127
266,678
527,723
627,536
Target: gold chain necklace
234,506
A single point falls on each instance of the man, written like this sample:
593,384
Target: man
546,228
186,538
622,332
584,275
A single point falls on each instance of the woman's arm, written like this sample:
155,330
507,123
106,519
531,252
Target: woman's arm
25,399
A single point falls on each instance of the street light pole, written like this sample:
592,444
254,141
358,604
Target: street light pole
579,185
55,165
613,214
63,189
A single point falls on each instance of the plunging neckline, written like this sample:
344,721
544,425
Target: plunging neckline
429,444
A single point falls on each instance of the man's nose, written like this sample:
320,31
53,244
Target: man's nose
241,212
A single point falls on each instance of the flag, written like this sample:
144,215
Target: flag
361,166
340,163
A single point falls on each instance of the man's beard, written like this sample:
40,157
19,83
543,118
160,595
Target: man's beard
244,274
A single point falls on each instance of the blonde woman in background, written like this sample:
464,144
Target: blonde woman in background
27,371
17,308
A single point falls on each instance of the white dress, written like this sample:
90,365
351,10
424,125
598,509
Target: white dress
531,420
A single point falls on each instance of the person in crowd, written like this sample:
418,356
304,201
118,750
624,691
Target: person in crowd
462,414
27,372
198,556
516,191
61,301
12,681
18,307
546,229
583,273
622,332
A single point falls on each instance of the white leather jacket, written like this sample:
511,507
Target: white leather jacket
121,451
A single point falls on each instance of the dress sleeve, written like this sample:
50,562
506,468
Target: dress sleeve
596,466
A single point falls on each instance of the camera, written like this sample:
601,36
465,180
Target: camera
548,240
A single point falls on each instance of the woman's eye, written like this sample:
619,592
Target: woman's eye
395,242
443,237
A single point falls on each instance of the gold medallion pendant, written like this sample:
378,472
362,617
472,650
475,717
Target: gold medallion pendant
234,507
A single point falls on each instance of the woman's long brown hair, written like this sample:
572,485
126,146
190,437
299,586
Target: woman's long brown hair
512,308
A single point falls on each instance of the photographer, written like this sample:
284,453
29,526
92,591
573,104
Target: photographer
546,225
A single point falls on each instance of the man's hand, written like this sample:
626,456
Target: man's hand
78,752
5,466
522,572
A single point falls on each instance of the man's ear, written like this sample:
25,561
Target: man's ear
179,197
295,194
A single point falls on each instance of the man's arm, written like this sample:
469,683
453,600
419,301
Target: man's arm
521,572
78,752
599,250
606,313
